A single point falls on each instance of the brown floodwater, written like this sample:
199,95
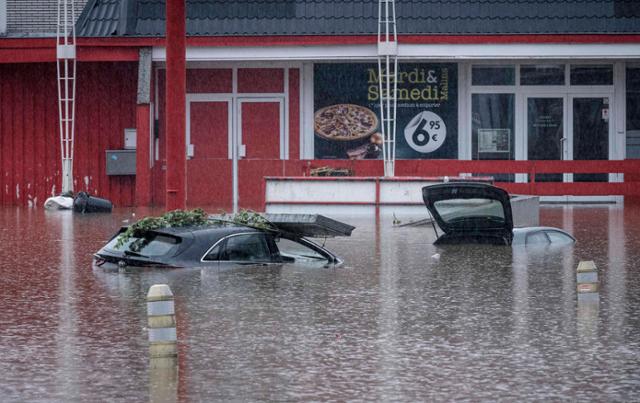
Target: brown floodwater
393,323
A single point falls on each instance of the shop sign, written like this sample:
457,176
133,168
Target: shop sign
494,140
348,122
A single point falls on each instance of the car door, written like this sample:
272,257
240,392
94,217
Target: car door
244,248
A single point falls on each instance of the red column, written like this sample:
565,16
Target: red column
143,169
176,197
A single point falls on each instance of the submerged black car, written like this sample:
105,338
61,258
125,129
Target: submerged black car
223,243
481,213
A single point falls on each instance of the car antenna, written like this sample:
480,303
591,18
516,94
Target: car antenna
433,224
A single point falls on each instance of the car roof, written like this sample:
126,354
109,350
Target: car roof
213,229
207,234
520,234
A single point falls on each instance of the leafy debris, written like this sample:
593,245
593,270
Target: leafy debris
175,218
250,219
182,218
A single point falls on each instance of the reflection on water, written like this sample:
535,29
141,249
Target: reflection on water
393,323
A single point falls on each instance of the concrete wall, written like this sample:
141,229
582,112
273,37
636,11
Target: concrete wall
525,211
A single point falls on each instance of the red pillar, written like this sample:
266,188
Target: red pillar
143,157
176,197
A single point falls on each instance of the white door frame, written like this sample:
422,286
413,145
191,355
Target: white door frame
284,140
234,139
209,98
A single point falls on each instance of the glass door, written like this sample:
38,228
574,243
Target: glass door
546,132
591,127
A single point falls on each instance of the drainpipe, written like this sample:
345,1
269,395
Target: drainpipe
143,129
176,196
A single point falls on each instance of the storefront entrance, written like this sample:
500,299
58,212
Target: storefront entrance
233,142
567,127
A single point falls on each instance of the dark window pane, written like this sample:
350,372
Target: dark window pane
558,237
247,248
297,251
493,75
542,75
537,238
590,134
454,210
591,75
214,254
151,245
492,136
633,112
545,132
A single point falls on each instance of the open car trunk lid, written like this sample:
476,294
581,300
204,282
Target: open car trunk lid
309,225
470,212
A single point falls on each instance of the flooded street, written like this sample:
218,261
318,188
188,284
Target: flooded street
392,324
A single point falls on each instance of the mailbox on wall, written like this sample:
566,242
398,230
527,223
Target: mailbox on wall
121,162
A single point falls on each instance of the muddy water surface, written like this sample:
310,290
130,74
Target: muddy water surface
393,324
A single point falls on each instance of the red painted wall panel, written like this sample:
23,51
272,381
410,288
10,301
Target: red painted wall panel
260,80
251,173
209,81
210,129
261,129
29,131
209,181
209,184
294,114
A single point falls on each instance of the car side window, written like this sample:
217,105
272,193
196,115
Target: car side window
214,254
538,237
295,250
246,248
558,237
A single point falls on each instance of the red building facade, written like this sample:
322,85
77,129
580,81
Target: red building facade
510,95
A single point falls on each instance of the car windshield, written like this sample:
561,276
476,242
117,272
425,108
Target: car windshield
557,237
459,210
297,251
151,245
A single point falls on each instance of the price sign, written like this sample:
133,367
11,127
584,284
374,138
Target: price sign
426,132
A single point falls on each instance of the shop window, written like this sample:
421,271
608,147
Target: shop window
493,126
493,75
542,74
592,75
633,112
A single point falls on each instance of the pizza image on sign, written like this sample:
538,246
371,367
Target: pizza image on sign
345,122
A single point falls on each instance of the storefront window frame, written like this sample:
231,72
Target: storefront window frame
628,65
521,93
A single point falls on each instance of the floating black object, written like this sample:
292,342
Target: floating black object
84,203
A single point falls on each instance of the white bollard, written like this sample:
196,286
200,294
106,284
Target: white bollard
587,285
163,349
